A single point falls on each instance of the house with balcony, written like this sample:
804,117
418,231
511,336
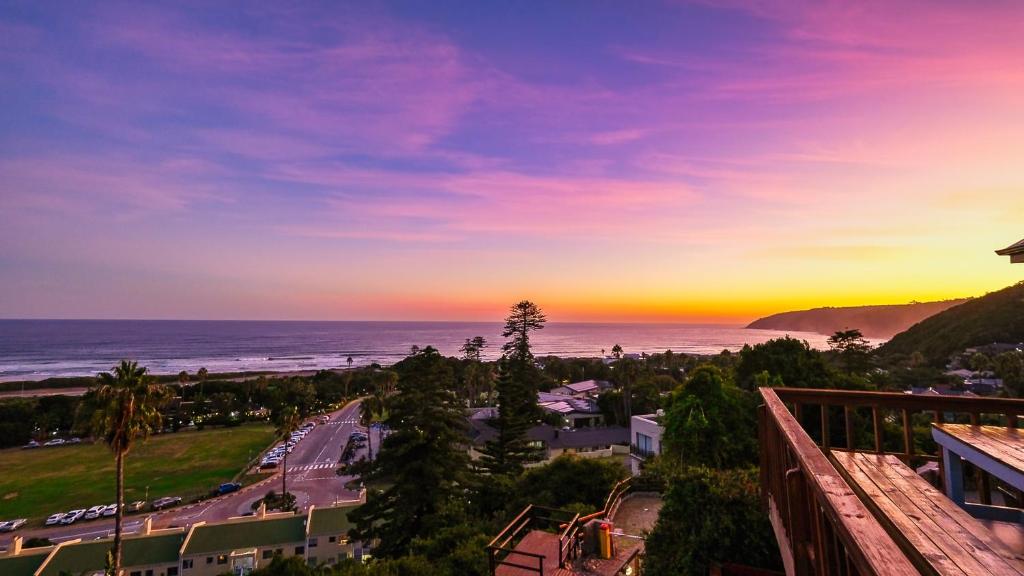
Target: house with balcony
840,484
645,433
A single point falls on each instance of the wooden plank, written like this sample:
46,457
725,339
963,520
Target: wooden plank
926,519
997,451
965,532
887,511
972,529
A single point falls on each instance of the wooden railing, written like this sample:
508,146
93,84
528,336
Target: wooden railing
502,550
821,525
885,407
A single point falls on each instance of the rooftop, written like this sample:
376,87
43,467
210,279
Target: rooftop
553,437
25,564
246,534
138,551
329,521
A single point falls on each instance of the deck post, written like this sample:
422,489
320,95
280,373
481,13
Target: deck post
953,466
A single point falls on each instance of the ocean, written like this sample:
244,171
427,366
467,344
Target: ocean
36,349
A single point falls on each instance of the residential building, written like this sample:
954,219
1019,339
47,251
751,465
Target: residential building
591,442
645,433
235,546
584,389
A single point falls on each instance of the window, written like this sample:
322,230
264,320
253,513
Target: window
644,444
135,573
279,551
186,564
149,573
222,559
172,571
332,539
267,554
311,561
312,542
300,550
209,559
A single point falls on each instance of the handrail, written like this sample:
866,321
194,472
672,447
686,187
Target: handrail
978,409
916,402
822,526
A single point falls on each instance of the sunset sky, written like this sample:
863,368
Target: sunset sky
612,161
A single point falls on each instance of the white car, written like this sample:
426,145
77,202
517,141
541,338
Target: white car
94,512
12,525
72,516
55,519
109,510
55,442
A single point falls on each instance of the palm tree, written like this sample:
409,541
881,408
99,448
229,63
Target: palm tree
287,421
369,408
127,409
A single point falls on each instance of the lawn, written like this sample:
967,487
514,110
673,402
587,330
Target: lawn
37,483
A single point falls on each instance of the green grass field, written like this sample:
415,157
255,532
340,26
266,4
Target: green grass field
37,483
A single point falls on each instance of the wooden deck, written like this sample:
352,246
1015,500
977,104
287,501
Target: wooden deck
934,531
546,544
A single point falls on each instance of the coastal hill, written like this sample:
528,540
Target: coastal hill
873,321
994,317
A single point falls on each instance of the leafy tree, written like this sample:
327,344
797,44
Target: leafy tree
370,408
127,402
791,360
566,481
421,462
517,386
979,362
183,377
288,419
853,350
711,423
708,516
1010,367
475,375
626,371
617,351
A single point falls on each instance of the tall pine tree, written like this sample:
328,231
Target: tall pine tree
517,385
421,461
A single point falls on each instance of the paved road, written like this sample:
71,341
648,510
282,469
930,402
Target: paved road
311,477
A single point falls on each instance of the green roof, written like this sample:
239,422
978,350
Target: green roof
138,551
246,534
24,564
330,521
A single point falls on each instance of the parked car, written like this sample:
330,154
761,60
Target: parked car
12,525
228,487
55,442
94,512
135,506
72,517
166,502
31,444
324,419
109,510
55,519
269,464
74,441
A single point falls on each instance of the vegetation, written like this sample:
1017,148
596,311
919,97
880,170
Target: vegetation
126,406
288,419
517,386
421,461
711,516
187,464
995,317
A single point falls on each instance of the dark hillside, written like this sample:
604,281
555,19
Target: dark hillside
995,317
872,321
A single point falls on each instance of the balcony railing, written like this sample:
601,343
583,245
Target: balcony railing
502,551
821,525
